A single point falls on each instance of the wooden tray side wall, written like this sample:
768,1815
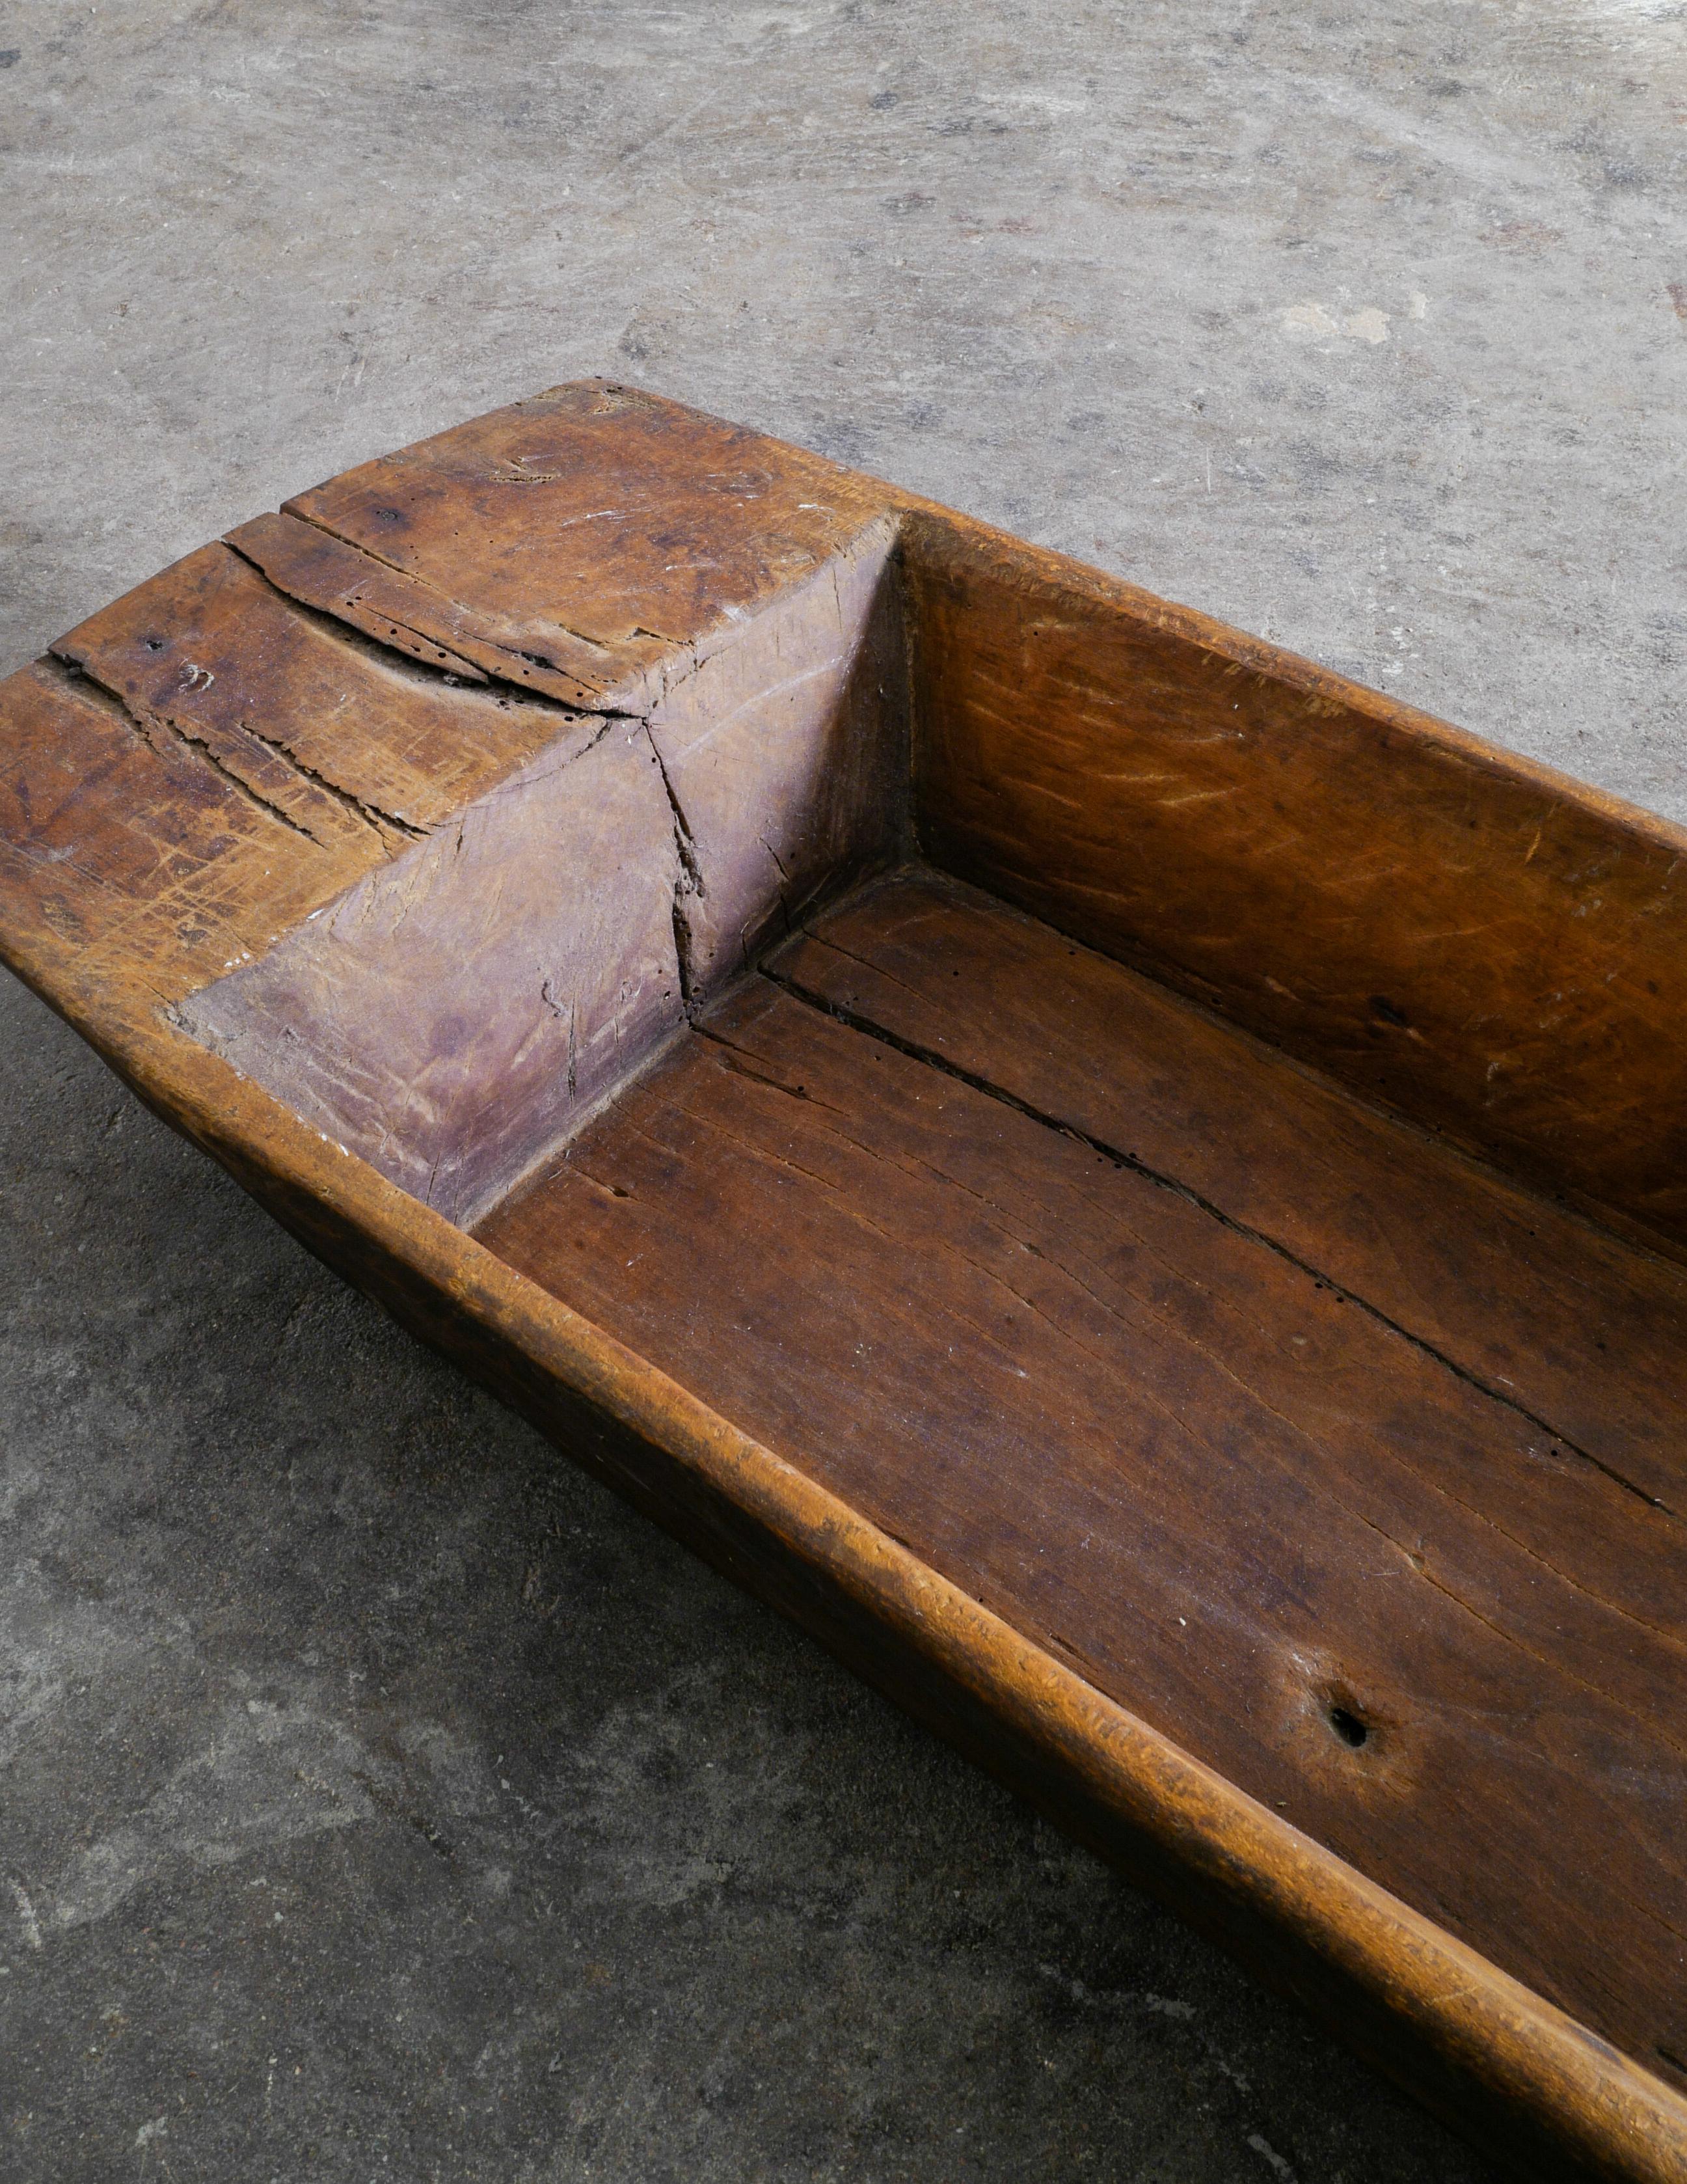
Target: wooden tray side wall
1541,2095
1492,950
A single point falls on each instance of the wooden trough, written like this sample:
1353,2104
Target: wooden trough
1136,1188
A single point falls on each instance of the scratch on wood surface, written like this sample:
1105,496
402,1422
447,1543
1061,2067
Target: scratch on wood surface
149,725
361,807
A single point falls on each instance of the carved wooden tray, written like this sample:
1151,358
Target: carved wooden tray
1135,1187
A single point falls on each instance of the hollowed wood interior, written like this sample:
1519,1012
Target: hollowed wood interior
1349,1461
1336,1455
1030,1064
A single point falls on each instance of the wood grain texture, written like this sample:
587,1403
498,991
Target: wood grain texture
1467,937
1578,1333
1546,2098
577,541
460,1009
1239,1502
154,869
340,738
281,738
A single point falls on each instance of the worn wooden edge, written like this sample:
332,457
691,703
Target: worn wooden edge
1544,2095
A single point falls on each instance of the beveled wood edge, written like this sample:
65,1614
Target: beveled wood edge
1608,2114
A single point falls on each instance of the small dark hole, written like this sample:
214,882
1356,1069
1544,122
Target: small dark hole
1387,1011
155,644
1348,1726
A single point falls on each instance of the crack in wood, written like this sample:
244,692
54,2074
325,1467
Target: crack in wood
591,699
142,720
870,1028
371,814
687,881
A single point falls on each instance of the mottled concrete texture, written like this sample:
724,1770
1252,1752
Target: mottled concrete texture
379,1799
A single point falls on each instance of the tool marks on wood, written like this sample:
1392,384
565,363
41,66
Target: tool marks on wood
1482,945
592,533
212,648
448,1014
784,753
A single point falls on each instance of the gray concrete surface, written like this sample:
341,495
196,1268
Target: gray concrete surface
379,1799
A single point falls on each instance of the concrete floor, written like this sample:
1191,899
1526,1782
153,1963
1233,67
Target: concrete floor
379,1798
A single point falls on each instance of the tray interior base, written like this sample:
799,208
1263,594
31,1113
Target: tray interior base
1348,1463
